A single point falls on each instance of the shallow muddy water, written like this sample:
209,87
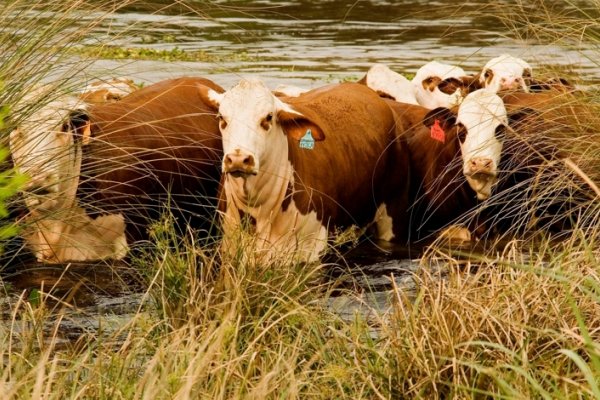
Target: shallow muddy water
305,43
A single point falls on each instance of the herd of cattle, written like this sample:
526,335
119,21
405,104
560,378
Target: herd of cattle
404,158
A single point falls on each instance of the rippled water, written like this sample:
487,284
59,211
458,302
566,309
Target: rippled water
308,42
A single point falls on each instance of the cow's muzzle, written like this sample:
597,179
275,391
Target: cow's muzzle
481,176
239,164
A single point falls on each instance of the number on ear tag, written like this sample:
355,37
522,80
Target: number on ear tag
307,141
437,133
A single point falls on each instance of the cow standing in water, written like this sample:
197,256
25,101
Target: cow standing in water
119,165
301,167
454,157
438,85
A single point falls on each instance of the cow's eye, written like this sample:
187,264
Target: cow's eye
500,132
461,132
266,121
65,127
222,122
527,73
487,74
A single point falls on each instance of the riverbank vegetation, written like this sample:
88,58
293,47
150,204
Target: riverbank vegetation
521,321
167,55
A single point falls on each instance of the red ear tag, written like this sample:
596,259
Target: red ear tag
437,133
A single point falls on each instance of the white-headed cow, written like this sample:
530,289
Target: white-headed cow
47,148
438,85
301,168
505,72
454,157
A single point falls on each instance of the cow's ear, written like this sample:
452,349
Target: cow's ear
466,84
450,85
210,97
80,125
445,117
473,82
296,125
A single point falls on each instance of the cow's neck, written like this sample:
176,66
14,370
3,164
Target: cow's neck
261,196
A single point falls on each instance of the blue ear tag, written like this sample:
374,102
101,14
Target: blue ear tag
307,141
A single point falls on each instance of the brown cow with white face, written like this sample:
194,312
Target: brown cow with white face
440,194
46,147
524,195
301,167
506,72
455,157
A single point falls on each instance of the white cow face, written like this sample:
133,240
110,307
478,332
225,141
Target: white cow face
479,125
505,72
43,148
427,81
250,120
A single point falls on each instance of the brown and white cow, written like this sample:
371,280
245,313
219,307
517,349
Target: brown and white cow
47,148
156,150
524,195
440,194
301,167
505,72
454,157
435,85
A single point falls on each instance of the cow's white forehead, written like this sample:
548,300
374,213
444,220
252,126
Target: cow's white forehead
506,64
434,68
481,108
248,95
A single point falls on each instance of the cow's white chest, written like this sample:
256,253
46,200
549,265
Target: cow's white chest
289,234
293,234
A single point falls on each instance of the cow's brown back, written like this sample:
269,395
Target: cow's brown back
360,164
439,192
157,147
